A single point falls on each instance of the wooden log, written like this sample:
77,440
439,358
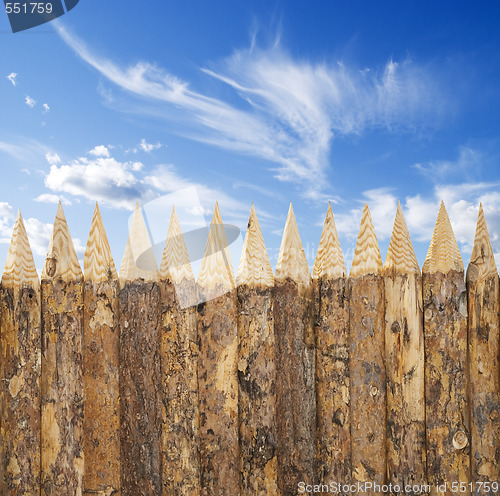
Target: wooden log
367,360
101,362
20,370
256,367
218,366
295,361
404,344
445,342
484,315
62,365
332,358
140,371
179,358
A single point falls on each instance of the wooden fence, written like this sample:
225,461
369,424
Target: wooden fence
277,384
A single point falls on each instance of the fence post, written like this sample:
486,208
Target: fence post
484,314
101,362
62,365
179,359
332,358
446,374
296,399
218,366
367,361
20,369
140,371
404,343
256,366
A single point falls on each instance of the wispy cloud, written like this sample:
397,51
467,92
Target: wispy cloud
46,108
289,111
24,149
12,78
31,102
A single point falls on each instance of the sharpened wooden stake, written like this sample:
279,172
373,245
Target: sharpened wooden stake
295,361
179,358
140,371
332,358
256,367
404,344
484,314
62,365
20,369
101,362
367,360
218,366
446,374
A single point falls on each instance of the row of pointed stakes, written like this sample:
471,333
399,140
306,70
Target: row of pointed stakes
254,267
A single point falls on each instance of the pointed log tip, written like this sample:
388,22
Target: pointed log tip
329,261
20,267
367,259
216,272
175,264
61,261
444,254
98,262
292,261
138,259
482,260
401,256
254,268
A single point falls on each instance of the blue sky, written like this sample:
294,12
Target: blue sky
264,102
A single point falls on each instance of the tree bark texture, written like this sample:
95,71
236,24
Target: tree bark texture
62,388
140,389
101,365
296,399
257,391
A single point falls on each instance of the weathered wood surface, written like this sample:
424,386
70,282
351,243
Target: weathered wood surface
332,358
404,343
484,322
446,376
20,370
181,474
101,362
367,360
62,366
218,367
295,361
256,367
140,371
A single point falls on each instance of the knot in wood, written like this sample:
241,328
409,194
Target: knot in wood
51,265
472,272
460,440
373,391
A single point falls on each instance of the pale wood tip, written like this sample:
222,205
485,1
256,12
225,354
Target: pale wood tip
367,259
329,261
482,261
292,261
444,254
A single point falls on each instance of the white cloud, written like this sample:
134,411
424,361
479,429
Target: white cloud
49,198
12,78
30,101
46,108
146,147
289,110
53,158
99,151
24,149
101,179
